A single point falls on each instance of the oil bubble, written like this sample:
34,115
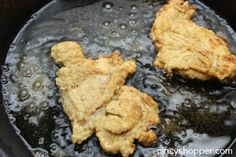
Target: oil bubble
24,57
134,7
114,33
4,92
28,73
12,119
22,65
37,85
134,31
41,141
187,101
183,133
123,26
106,24
31,106
4,79
85,38
55,135
13,78
182,91
107,5
7,110
6,103
23,95
44,105
35,67
150,6
5,68
133,22
53,147
233,104
22,85
131,15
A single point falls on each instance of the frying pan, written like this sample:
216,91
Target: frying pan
13,15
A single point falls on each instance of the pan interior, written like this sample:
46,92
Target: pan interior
193,114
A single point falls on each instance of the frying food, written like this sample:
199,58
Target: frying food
187,49
129,116
95,99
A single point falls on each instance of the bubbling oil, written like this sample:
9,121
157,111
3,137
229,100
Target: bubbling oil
193,114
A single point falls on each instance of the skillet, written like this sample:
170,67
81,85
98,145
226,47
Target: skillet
16,148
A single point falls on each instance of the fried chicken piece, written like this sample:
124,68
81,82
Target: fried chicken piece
187,49
92,91
86,84
129,116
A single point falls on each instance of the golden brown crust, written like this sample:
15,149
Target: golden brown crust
128,117
187,49
67,52
95,100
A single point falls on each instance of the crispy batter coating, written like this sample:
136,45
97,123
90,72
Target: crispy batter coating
95,100
128,116
67,53
187,49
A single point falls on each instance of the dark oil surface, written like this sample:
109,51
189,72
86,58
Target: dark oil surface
193,114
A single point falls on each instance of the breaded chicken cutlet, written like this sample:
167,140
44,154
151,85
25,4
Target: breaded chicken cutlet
96,100
186,49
